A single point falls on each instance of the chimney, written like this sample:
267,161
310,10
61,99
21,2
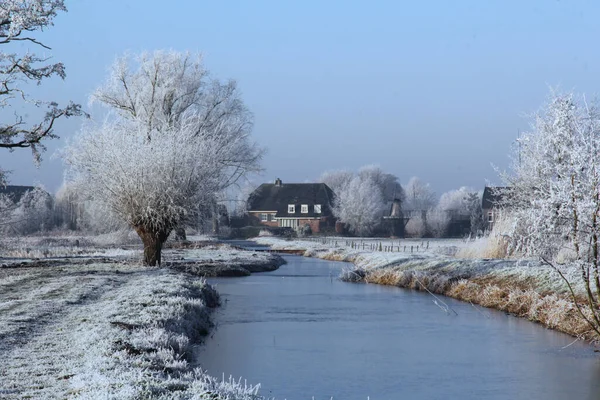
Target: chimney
277,182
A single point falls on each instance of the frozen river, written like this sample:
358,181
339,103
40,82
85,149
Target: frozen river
300,332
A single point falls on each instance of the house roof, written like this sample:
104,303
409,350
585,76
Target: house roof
276,197
492,196
15,192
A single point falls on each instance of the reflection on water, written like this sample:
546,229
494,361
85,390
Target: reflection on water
302,333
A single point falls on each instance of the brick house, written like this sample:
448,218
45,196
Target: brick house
490,201
292,205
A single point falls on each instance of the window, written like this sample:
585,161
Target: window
272,216
291,209
263,217
304,209
490,216
317,209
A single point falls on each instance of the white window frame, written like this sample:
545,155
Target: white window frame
272,216
304,209
291,209
317,209
264,217
490,216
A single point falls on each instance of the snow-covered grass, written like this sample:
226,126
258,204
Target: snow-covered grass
115,331
218,253
69,245
523,287
382,246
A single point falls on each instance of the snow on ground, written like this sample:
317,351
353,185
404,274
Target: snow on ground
116,331
217,253
407,246
118,244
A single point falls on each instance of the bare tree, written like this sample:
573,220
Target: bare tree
152,166
18,20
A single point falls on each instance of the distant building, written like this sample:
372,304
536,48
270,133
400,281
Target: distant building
292,205
395,222
490,204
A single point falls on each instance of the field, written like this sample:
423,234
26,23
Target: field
88,319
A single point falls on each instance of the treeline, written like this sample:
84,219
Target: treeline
364,197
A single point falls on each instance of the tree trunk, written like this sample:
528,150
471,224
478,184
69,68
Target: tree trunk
153,241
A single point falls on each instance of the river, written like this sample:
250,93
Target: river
301,332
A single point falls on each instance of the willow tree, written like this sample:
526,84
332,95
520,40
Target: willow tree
19,19
173,139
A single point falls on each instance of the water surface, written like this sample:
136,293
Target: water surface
301,333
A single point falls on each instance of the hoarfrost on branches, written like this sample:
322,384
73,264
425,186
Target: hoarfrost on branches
18,20
359,205
419,195
171,144
31,213
368,192
336,180
554,192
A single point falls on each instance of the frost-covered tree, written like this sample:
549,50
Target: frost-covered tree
387,183
336,180
31,213
464,202
382,187
437,223
162,87
415,226
555,193
359,205
157,160
19,19
419,195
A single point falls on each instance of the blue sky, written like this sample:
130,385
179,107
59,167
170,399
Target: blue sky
436,89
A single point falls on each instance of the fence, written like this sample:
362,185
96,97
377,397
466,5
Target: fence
390,247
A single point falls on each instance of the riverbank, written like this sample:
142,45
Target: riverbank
203,256
525,288
116,329
78,320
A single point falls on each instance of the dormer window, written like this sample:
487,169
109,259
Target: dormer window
317,209
291,209
304,209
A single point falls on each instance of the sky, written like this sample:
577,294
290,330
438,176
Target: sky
435,89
